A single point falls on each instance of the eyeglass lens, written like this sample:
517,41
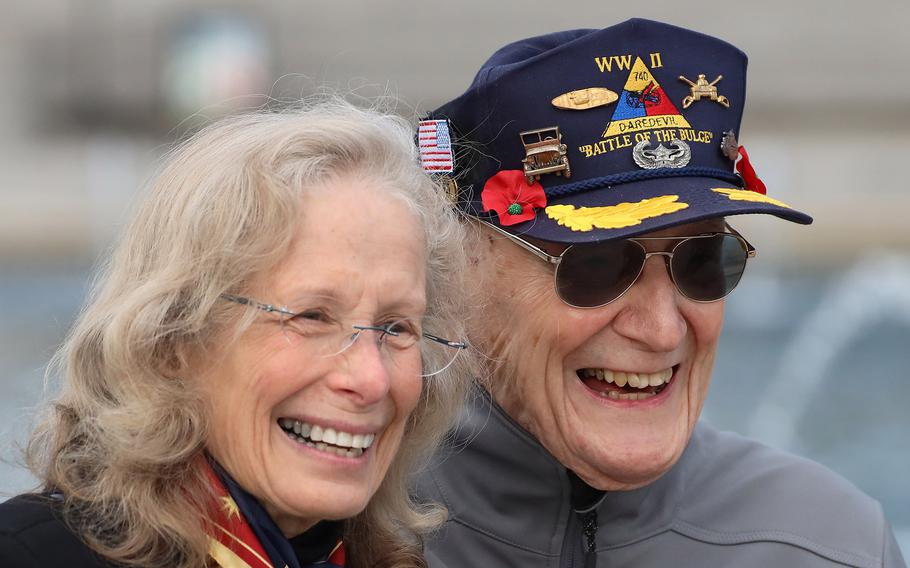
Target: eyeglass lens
707,269
397,344
704,268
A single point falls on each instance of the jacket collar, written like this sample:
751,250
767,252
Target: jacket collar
509,485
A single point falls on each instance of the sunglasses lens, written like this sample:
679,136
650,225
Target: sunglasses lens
593,275
708,268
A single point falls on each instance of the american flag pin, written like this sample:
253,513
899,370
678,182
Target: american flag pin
435,146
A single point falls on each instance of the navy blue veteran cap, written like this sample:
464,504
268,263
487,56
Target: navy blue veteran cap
588,135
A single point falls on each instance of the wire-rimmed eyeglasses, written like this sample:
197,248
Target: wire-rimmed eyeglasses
395,339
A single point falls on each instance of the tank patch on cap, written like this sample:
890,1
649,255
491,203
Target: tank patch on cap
643,105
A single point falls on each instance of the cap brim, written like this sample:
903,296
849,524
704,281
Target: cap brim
671,202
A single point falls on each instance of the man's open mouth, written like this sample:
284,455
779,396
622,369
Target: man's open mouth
326,439
618,385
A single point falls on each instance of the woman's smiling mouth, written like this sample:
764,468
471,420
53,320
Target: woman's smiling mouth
344,444
619,385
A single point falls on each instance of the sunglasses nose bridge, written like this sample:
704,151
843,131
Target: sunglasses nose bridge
667,257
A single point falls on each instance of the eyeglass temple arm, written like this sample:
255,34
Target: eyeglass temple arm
524,244
430,336
537,251
750,250
258,305
448,342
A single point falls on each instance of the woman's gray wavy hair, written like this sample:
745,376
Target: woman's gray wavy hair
124,438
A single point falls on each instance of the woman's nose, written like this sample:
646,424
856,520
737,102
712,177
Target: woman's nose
363,370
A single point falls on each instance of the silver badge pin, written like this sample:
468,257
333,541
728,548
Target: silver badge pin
676,156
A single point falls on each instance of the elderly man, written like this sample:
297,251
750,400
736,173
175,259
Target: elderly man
603,171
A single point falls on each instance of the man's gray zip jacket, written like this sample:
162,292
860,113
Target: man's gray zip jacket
727,502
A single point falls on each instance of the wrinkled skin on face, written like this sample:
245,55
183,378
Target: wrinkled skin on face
538,345
346,260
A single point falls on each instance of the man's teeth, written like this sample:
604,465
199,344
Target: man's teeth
341,443
636,380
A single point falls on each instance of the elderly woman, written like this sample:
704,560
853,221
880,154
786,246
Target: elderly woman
262,366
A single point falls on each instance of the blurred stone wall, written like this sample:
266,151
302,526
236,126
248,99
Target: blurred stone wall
84,118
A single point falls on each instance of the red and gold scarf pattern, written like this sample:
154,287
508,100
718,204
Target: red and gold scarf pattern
232,542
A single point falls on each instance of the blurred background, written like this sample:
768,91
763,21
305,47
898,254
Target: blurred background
816,349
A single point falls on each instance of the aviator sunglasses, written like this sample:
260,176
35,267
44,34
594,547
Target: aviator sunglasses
704,267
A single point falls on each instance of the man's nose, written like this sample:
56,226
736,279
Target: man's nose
651,316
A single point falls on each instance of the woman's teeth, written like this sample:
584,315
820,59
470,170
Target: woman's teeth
329,440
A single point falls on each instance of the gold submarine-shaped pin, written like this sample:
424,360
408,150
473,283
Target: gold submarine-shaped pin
584,99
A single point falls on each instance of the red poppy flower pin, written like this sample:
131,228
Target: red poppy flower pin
745,169
509,194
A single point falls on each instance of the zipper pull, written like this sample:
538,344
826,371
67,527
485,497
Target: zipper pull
585,500
589,529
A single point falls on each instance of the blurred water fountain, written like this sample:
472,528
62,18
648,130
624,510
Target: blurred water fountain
875,289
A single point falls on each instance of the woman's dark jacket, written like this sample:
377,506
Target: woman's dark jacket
33,533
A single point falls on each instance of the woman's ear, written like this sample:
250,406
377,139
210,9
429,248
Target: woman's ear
173,357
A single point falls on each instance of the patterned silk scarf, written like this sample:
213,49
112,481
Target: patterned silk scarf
244,536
